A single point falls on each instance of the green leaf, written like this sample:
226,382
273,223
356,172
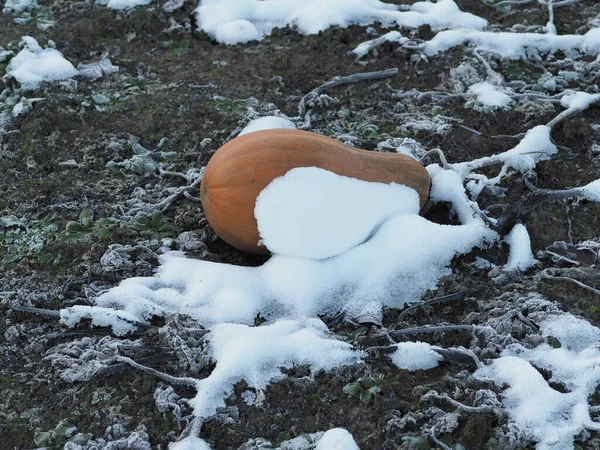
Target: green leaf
81,438
365,397
100,99
11,221
446,438
11,258
45,257
283,436
75,227
351,388
138,149
106,221
553,342
370,382
42,439
64,430
73,236
163,145
417,442
86,216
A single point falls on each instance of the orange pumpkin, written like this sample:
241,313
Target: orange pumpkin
242,168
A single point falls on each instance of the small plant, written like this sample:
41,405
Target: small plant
237,106
19,238
56,439
86,226
157,225
365,387
143,161
176,48
365,130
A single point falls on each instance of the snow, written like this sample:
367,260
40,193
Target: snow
405,258
308,200
521,256
33,65
516,45
365,47
447,186
535,146
240,21
123,4
190,443
337,439
592,191
488,97
257,354
547,416
403,255
579,100
415,356
268,123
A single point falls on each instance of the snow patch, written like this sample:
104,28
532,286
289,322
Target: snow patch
256,354
123,4
545,415
240,21
516,45
488,97
34,65
307,202
190,443
268,123
415,356
521,256
337,439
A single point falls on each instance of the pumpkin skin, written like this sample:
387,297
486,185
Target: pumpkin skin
243,167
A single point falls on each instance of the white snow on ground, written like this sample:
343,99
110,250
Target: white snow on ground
365,47
516,45
579,100
337,439
123,4
268,123
415,356
256,354
447,186
33,65
521,256
288,207
592,191
536,146
190,443
240,21
547,416
488,97
405,257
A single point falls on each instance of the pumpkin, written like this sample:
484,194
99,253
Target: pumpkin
243,167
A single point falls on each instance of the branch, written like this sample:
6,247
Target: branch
518,211
461,406
339,81
446,298
180,381
431,329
